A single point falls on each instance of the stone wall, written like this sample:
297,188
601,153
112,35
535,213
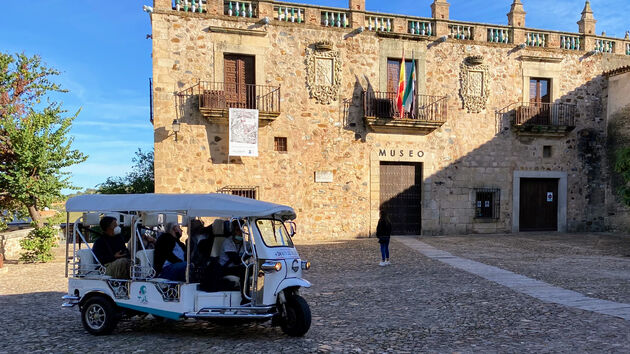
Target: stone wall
10,244
470,150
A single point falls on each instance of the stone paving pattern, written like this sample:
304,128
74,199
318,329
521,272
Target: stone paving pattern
416,304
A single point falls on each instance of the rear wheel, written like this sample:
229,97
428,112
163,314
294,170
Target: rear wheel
297,320
99,316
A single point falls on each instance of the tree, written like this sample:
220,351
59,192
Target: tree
34,142
622,166
139,180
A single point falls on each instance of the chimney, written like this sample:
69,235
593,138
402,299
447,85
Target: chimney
516,16
587,22
439,9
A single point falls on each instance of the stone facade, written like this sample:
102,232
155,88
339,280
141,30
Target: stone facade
470,150
10,247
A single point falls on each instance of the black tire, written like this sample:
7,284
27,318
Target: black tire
99,316
298,317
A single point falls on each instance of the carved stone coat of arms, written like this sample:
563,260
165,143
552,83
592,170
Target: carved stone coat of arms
323,72
475,88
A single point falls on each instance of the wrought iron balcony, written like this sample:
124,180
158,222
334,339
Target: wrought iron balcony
216,98
382,114
551,119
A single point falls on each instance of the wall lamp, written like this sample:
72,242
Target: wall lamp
176,127
442,39
147,9
522,45
265,20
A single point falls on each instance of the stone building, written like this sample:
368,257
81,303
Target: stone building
508,132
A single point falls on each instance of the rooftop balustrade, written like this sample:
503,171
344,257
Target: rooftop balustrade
199,6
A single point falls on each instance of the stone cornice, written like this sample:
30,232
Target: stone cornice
239,31
540,59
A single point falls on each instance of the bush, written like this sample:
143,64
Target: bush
38,245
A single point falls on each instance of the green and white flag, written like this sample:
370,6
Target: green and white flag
409,99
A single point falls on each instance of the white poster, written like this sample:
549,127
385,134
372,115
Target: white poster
243,135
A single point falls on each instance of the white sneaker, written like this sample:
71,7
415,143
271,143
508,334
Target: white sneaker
382,264
387,263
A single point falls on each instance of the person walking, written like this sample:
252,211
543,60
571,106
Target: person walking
383,232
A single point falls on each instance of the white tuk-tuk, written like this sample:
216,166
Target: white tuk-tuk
273,268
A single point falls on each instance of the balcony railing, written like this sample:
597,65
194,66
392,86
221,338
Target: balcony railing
335,19
499,35
190,5
570,42
546,114
240,9
536,39
461,32
379,23
289,14
216,98
383,105
604,46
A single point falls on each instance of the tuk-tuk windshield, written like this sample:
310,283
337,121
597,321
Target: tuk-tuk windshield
273,233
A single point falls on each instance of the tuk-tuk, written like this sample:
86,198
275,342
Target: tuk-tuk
272,265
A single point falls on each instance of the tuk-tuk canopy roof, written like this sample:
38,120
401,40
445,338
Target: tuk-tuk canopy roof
214,205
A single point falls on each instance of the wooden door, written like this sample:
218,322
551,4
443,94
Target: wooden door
540,100
538,204
240,81
401,196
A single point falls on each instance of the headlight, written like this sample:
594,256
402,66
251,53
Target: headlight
295,266
306,265
271,266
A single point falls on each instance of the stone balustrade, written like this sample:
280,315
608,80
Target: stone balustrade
379,23
421,28
463,32
289,14
190,5
536,39
499,35
313,15
604,46
241,9
570,42
335,19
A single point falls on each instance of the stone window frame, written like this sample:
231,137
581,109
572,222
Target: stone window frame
542,70
258,53
391,49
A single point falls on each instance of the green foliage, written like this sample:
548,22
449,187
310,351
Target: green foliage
38,245
139,180
622,166
34,142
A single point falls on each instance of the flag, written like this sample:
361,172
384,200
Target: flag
401,87
410,92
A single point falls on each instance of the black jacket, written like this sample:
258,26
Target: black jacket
107,246
164,251
383,230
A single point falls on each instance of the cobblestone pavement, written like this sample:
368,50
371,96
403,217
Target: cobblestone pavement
416,304
596,265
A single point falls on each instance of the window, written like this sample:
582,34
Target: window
547,151
247,192
539,91
393,74
280,144
273,233
487,202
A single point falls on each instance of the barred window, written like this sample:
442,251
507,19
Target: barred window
487,203
280,144
241,191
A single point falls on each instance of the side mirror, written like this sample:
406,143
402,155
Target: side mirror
293,229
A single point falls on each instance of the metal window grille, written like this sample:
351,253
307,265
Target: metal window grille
487,203
280,144
247,192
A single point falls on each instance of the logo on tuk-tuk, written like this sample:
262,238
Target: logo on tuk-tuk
142,294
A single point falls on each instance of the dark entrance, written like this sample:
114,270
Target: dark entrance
401,196
240,81
539,204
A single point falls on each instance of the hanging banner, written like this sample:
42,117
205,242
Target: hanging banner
243,135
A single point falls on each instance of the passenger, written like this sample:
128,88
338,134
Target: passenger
170,254
198,233
231,252
111,251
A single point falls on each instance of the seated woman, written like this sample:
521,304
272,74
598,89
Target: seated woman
170,254
111,251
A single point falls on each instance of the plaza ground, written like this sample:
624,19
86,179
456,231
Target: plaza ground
416,304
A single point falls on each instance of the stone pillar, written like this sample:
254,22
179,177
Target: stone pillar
439,11
163,4
357,15
516,19
265,9
587,27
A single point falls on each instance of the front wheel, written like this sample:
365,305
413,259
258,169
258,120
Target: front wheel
99,316
297,319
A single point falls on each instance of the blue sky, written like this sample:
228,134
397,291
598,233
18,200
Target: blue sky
105,59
